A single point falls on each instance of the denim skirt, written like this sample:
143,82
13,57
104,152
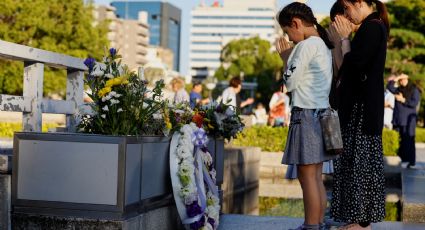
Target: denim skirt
305,144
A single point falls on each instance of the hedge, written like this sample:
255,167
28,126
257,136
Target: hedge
271,139
7,129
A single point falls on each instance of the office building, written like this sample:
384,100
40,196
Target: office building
164,21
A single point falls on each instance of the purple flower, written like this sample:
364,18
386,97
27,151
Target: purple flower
198,224
199,137
219,109
90,62
193,209
112,51
211,221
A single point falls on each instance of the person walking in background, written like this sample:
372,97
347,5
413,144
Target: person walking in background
279,108
358,195
180,94
389,106
231,97
308,77
407,97
195,97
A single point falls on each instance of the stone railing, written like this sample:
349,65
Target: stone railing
31,103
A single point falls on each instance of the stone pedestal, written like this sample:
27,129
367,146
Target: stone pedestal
165,218
241,180
5,184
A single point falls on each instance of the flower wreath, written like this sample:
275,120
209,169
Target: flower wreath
193,179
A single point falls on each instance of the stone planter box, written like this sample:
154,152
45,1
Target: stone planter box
94,176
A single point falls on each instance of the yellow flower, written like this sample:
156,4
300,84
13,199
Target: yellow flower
104,91
116,81
168,125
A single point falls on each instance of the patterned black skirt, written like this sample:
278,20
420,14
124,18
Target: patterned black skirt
359,185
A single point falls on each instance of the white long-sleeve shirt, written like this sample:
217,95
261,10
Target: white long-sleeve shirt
229,96
309,74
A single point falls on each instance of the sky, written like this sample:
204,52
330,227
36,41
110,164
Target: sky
318,6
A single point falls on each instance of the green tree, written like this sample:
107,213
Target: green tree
325,22
407,14
55,25
254,58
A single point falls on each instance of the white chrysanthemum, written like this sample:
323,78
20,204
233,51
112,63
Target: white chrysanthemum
184,153
97,73
190,198
108,75
105,108
103,116
119,110
112,93
212,212
106,98
114,101
157,116
186,169
179,111
188,190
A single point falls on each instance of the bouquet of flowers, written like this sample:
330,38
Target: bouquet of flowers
219,120
122,103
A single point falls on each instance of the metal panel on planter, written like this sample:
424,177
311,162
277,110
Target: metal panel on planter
93,176
87,175
78,172
156,179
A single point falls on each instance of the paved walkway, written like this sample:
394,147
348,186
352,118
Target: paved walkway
242,222
245,222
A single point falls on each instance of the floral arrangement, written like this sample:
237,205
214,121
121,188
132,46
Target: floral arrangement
219,119
122,103
195,165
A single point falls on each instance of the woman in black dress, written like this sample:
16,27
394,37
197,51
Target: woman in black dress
358,196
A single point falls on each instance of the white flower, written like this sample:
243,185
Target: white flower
105,108
106,98
188,191
145,105
103,116
119,110
118,95
186,169
183,153
157,116
108,75
112,93
121,70
179,111
113,101
212,212
97,73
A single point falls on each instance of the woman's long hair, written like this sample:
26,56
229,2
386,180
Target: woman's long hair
303,12
380,7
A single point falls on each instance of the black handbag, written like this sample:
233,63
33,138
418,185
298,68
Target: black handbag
331,131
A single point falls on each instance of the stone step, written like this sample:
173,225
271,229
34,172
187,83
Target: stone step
244,222
413,195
